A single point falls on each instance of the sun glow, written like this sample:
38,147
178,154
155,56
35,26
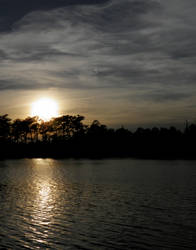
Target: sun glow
44,108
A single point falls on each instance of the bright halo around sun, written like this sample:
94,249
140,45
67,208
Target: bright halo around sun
44,108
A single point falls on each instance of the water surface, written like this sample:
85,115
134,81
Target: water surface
97,204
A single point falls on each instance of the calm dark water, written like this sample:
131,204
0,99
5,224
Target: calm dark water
97,204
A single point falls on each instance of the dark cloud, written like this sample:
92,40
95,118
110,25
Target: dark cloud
17,84
12,11
118,16
165,96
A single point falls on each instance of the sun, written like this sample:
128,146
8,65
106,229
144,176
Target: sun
44,108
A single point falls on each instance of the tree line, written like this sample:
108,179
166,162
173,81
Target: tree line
32,129
69,136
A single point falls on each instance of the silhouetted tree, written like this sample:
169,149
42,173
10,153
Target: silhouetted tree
34,129
4,127
67,126
16,130
46,130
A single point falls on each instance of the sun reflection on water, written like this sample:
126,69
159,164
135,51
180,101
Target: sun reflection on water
45,204
45,192
44,195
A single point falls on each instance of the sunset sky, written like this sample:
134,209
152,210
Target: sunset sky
123,62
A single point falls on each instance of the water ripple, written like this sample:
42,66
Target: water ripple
63,204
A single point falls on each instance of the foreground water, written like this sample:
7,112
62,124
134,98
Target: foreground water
97,204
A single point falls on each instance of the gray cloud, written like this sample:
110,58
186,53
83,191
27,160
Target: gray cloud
142,48
12,11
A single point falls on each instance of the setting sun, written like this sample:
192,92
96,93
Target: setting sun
44,108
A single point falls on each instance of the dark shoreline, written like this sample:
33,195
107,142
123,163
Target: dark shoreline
68,137
21,151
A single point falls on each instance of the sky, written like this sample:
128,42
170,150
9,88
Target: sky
122,62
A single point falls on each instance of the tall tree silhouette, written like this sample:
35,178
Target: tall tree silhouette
4,127
67,126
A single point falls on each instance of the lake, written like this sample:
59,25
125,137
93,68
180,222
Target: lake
97,204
